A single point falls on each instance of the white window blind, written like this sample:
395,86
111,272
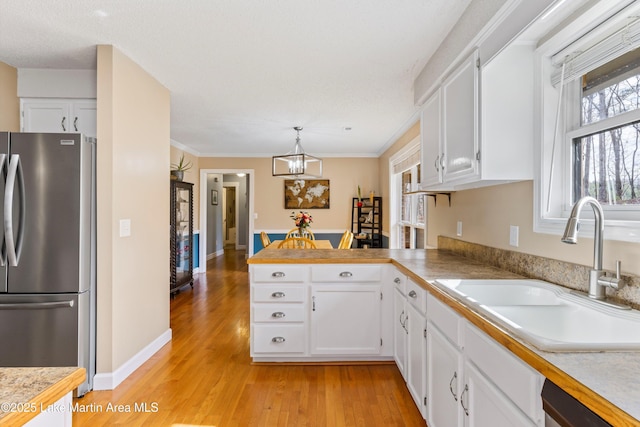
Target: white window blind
590,52
407,163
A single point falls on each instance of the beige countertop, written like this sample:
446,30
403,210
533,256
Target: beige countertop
603,381
25,392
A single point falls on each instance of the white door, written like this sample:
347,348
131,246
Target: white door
83,118
417,357
346,319
45,116
430,132
444,373
460,133
400,332
484,405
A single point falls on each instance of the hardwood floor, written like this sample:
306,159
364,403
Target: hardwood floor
204,376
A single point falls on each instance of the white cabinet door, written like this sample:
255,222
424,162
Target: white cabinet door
45,116
430,132
417,357
444,373
460,117
484,405
400,332
345,319
84,117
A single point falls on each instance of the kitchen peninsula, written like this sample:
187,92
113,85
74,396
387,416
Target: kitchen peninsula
600,380
27,393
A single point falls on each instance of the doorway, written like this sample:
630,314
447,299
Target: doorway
212,234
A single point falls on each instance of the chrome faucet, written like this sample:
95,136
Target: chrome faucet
598,282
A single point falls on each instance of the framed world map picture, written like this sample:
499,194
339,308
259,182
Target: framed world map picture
306,194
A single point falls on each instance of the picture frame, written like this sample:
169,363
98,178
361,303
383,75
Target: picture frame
306,194
214,197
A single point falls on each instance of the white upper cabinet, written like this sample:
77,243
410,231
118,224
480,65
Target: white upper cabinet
430,131
460,121
477,128
59,115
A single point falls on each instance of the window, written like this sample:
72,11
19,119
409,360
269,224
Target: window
408,208
590,121
606,161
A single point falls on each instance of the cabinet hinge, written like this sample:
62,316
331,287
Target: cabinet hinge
478,62
424,332
478,155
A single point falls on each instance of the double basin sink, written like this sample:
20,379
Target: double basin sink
548,316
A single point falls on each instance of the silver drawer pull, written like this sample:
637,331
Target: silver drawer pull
278,274
278,295
397,281
278,315
277,340
346,274
413,294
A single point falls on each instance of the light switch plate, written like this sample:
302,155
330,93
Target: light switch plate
459,229
514,232
125,227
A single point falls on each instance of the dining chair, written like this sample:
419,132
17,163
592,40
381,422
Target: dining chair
295,232
346,240
266,241
297,243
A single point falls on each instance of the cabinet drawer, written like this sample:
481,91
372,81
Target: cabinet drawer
517,380
279,313
346,273
278,339
279,273
445,319
279,293
417,296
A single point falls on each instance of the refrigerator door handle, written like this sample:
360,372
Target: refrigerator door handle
36,305
3,254
14,248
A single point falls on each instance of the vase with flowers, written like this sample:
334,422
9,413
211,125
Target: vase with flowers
302,220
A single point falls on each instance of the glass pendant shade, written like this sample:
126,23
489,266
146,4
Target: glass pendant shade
296,163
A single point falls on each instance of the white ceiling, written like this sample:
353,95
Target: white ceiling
243,73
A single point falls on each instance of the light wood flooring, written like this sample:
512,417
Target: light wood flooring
204,376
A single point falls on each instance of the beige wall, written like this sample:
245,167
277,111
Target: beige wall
133,164
344,175
487,213
9,102
383,164
192,176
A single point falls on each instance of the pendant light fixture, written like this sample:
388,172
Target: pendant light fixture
296,163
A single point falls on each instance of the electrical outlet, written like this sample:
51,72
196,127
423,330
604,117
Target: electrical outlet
514,232
459,229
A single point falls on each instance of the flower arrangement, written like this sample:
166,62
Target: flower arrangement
302,219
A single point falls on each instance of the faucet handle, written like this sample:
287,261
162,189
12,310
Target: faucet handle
618,267
612,282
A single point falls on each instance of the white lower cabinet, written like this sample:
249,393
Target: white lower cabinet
444,370
416,324
345,319
327,312
472,380
400,332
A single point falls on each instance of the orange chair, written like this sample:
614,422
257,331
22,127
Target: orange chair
297,243
295,232
346,240
266,241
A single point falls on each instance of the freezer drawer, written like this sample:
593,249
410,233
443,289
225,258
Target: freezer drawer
44,330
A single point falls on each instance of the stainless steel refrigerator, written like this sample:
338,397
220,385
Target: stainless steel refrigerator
47,262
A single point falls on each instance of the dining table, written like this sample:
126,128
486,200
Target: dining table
320,244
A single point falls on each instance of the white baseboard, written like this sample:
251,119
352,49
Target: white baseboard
109,381
215,254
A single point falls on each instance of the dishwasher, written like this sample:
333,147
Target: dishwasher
563,410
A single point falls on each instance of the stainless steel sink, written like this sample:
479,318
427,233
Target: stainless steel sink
548,316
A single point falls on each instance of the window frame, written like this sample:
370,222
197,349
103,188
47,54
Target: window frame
622,221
